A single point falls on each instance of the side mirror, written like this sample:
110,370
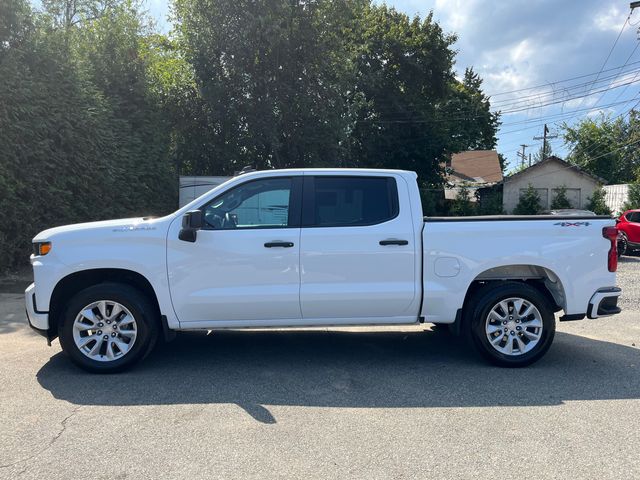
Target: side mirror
191,223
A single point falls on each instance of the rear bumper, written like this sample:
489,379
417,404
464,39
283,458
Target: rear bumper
39,321
604,303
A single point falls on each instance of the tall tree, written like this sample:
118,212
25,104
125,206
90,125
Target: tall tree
404,78
271,75
81,136
601,146
473,126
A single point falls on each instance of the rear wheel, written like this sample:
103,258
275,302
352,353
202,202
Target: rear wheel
511,324
108,327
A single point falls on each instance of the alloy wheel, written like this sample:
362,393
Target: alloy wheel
105,330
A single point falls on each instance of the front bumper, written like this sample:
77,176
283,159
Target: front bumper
39,321
604,303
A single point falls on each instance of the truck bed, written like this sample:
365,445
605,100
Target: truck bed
569,253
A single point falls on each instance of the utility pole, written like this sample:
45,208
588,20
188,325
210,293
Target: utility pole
522,155
544,138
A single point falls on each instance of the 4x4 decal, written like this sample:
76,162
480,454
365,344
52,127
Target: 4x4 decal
573,224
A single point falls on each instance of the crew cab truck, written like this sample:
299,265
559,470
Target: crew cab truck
310,247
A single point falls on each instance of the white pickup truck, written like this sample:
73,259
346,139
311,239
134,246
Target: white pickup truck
312,247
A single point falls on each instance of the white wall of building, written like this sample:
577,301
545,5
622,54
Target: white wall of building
546,178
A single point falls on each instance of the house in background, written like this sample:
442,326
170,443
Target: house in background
475,168
547,177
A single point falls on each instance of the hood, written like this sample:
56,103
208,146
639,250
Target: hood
123,224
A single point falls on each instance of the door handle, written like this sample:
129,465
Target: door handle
384,243
278,244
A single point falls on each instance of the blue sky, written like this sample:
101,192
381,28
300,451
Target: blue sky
536,43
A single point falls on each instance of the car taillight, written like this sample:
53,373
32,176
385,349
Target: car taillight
612,234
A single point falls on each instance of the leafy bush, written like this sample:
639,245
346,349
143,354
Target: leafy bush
529,203
633,197
560,200
462,205
597,204
490,203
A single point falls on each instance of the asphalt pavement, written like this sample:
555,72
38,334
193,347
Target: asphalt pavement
326,403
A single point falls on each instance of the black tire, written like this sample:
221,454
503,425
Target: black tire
480,307
144,313
623,245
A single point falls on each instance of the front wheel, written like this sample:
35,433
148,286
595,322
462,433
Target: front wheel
108,327
511,324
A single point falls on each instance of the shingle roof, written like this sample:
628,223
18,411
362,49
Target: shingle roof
483,166
567,165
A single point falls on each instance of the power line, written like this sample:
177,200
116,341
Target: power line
626,61
595,147
614,45
548,84
568,114
568,99
565,90
545,136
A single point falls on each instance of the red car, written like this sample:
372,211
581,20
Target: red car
629,228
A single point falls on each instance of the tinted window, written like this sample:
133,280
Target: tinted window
260,203
634,217
353,201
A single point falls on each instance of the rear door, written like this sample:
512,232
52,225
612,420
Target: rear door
358,251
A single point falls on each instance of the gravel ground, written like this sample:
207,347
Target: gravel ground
629,281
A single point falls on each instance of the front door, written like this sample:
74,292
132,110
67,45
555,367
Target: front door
244,264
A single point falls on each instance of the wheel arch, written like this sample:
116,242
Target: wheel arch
68,286
542,278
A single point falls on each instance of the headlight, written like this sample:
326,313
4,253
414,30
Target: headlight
41,248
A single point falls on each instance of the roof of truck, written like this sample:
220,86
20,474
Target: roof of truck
355,171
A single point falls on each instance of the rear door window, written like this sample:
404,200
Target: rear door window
349,201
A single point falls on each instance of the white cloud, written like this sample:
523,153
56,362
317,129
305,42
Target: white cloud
610,19
600,111
455,13
623,80
583,102
521,52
